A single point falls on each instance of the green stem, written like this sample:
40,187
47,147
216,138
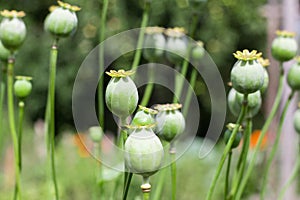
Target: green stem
12,126
160,184
188,98
227,149
149,87
101,64
127,184
275,147
263,133
50,112
2,94
227,175
173,170
185,64
20,131
98,172
292,177
243,159
138,52
146,196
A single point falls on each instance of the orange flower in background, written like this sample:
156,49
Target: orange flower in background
78,140
254,140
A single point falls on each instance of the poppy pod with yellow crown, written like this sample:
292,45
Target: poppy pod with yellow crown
154,37
12,29
62,20
284,46
121,93
247,74
293,77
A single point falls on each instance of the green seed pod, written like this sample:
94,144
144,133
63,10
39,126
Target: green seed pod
176,45
96,133
284,46
228,134
12,29
22,86
170,121
121,94
144,117
265,63
154,37
197,52
62,21
143,152
254,102
293,77
297,121
4,53
233,105
247,74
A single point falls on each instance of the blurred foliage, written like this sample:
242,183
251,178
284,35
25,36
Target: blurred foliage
224,25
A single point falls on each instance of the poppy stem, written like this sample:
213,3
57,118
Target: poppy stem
275,146
264,130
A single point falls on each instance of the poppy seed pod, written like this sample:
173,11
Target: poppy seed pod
284,46
145,116
12,29
198,52
233,105
154,37
265,63
62,20
297,121
22,86
96,133
254,102
293,77
228,134
4,53
247,74
170,121
121,94
143,151
176,45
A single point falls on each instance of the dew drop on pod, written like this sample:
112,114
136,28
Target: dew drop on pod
297,120
62,20
176,45
121,94
247,74
22,86
143,151
265,63
154,37
4,53
293,77
96,133
197,51
284,46
12,29
228,134
170,121
144,116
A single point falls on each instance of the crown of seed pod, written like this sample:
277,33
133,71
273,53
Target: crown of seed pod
228,134
265,63
170,121
176,45
293,77
12,29
4,53
121,94
154,38
62,20
22,86
284,46
143,151
247,74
